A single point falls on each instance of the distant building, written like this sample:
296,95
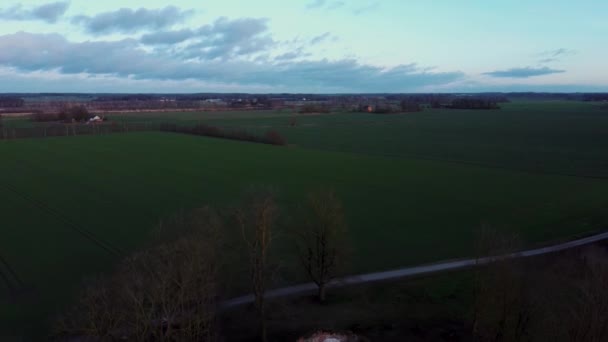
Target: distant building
95,119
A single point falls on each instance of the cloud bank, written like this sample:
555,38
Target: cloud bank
126,20
29,52
49,13
526,72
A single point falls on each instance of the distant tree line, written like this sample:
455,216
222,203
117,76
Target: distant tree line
473,103
271,137
78,113
595,97
315,108
127,97
410,105
390,107
441,100
11,102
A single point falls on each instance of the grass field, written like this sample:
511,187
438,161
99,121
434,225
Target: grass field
66,201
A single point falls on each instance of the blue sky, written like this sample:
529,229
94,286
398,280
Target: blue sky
323,46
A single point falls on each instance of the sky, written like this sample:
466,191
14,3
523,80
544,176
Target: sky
306,46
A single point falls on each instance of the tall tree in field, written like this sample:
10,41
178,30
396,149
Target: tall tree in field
257,219
322,239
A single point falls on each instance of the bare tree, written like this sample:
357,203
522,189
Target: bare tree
575,301
322,239
166,292
257,219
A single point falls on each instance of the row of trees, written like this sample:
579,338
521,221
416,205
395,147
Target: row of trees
271,137
11,102
383,107
170,290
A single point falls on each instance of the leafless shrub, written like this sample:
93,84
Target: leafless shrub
166,292
275,138
574,298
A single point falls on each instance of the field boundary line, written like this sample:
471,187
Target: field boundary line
309,288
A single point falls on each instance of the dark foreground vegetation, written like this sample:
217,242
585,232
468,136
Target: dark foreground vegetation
173,289
550,298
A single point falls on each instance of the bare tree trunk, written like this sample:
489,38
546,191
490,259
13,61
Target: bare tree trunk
322,293
322,239
257,219
263,328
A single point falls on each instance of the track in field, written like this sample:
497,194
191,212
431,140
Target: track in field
105,245
9,276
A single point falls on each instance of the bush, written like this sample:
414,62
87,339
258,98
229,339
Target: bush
275,138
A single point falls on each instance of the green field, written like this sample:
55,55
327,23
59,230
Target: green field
564,137
409,185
